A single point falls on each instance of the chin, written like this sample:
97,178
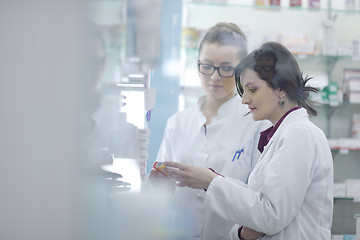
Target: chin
256,118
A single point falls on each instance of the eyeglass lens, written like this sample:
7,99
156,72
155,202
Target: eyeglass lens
208,69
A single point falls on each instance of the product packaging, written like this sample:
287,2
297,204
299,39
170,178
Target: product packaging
332,93
275,2
314,4
189,38
261,2
355,126
356,49
357,217
351,85
350,4
295,3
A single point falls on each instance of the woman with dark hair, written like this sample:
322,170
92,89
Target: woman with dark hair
289,194
215,134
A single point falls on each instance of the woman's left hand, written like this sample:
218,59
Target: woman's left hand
190,176
250,234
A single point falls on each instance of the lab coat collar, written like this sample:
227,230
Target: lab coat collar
227,107
292,117
201,117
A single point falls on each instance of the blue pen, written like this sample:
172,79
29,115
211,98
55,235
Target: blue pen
148,116
238,153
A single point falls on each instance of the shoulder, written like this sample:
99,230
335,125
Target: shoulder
183,116
189,112
304,129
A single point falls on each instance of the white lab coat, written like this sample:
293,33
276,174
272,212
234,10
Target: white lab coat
289,194
186,140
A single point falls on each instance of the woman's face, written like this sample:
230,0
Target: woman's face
214,85
263,101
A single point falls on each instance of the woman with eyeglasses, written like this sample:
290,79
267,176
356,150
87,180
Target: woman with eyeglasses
217,134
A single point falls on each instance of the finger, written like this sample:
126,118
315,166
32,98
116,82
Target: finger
156,173
153,171
172,172
179,184
180,166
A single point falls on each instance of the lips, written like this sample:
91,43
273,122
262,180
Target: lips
215,86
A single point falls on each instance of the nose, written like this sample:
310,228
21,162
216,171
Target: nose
216,75
245,98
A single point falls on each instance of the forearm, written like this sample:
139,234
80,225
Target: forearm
235,201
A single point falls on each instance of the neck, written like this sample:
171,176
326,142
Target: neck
283,111
211,106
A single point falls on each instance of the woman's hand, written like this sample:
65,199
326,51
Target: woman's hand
249,234
160,180
188,175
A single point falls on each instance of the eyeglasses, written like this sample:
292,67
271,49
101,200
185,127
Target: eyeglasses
208,69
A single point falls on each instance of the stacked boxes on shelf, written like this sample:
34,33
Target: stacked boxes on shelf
343,237
143,136
350,188
355,131
295,3
344,144
351,85
356,49
189,38
353,188
339,190
329,44
314,4
331,94
297,42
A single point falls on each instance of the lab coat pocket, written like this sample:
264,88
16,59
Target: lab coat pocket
238,164
241,157
237,154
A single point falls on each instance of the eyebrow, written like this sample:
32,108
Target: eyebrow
250,85
211,62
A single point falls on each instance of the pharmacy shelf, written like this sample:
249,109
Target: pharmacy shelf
351,144
348,199
343,198
271,7
346,148
123,86
299,57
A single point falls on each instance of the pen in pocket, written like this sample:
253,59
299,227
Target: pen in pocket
237,153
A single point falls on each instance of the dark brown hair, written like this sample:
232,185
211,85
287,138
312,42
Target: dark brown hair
275,64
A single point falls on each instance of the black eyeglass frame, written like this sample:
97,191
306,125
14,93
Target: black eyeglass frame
214,69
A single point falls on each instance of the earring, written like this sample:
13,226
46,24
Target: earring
282,102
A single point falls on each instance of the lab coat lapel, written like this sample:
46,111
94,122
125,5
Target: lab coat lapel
293,116
266,148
